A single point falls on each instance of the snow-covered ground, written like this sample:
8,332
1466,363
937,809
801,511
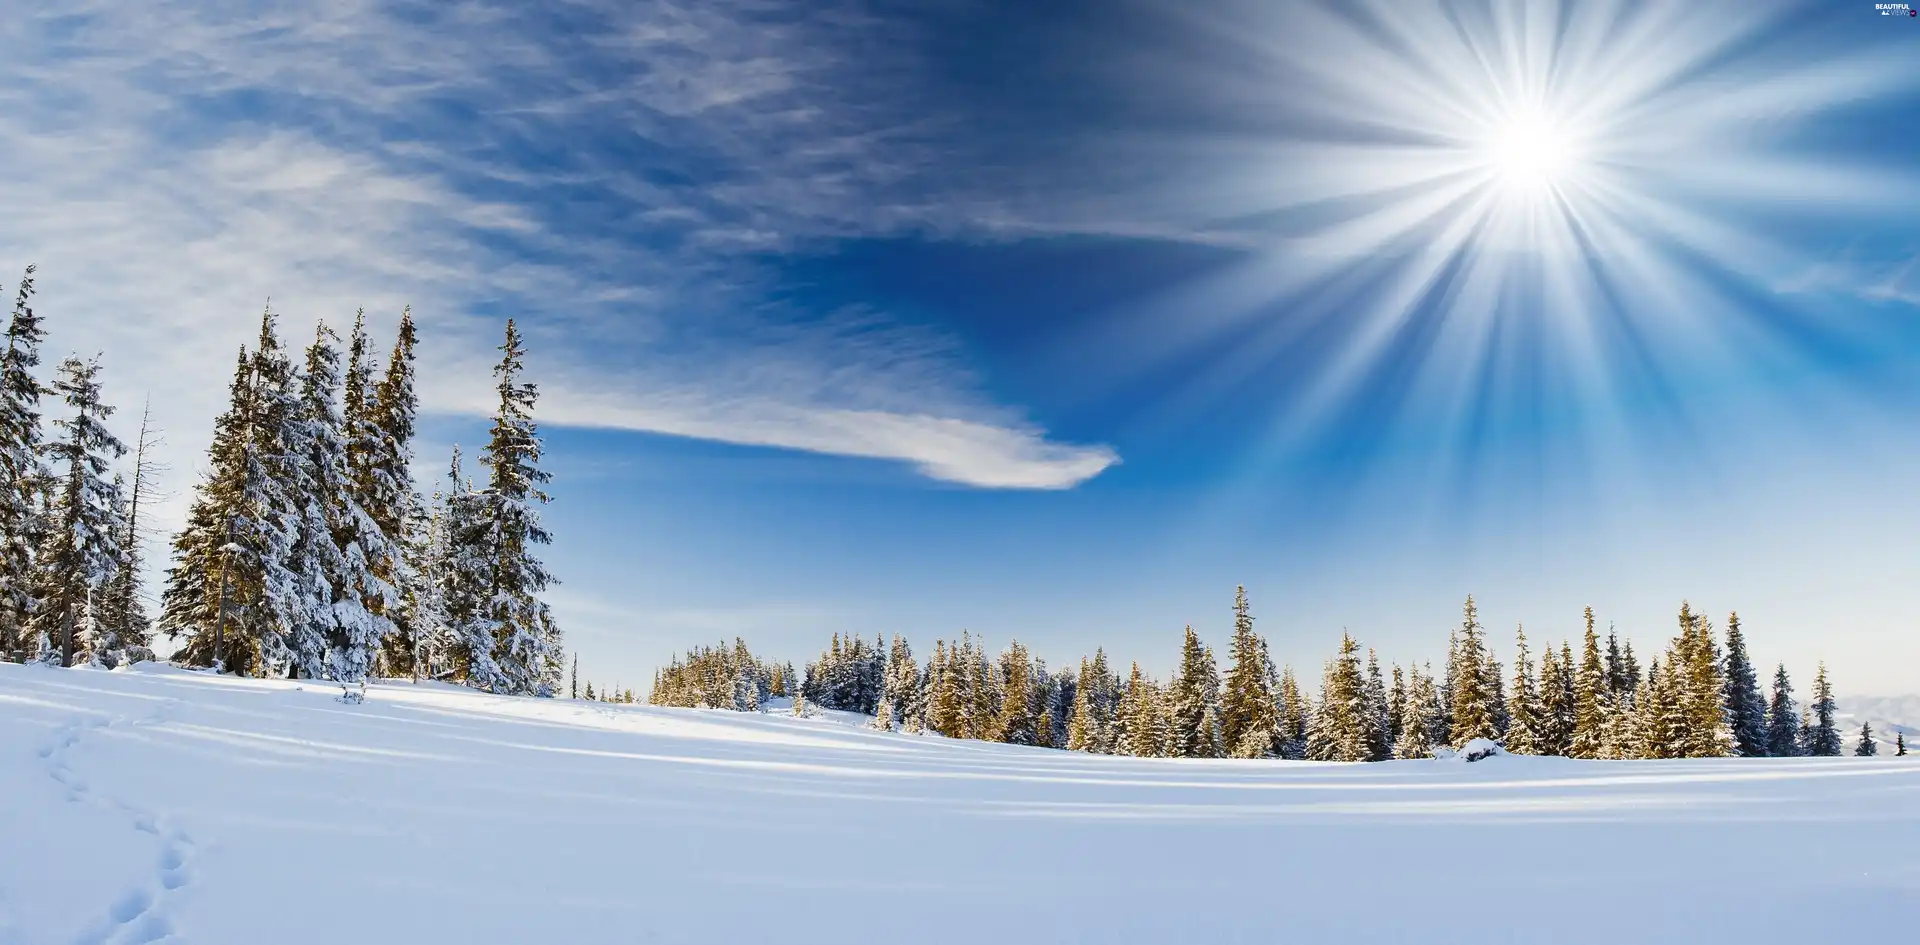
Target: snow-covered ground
159,805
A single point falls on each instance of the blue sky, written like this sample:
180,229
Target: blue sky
1057,323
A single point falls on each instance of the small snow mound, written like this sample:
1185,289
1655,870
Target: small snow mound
1473,751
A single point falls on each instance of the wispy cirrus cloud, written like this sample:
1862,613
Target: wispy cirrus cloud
625,177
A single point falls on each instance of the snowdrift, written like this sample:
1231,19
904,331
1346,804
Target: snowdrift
157,805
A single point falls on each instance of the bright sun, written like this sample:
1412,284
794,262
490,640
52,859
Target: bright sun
1529,150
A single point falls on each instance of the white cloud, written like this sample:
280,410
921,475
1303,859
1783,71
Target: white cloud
172,167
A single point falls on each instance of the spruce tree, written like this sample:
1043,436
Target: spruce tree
1422,717
1699,689
21,473
1248,719
1193,715
1378,710
1525,712
82,552
1783,725
1293,716
1745,708
1016,724
1080,727
943,697
1823,740
341,621
526,641
1592,699
1341,730
1899,744
1554,729
1473,707
1145,735
1396,706
1865,748
388,494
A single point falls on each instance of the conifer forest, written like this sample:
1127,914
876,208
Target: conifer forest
308,551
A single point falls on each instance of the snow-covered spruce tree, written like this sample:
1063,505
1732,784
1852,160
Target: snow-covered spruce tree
384,487
1341,729
342,620
1899,744
1194,717
1016,725
81,552
1249,721
1745,708
1293,715
1694,693
1421,717
1145,733
1474,708
499,537
1823,740
1396,707
21,473
229,590
1553,730
944,713
1374,697
465,574
1865,748
1593,702
1081,727
1525,713
190,602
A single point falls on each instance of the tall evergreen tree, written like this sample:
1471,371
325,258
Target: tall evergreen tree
1081,734
944,713
1378,710
1823,740
1745,708
526,640
21,473
1699,688
389,495
1474,700
1248,720
82,552
1419,728
1899,744
1016,724
1524,709
1340,730
1146,735
1194,717
1554,729
1294,714
1783,725
1592,699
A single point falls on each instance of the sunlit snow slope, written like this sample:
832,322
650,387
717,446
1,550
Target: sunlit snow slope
168,806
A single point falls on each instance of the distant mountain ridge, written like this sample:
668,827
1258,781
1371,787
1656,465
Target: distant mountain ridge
1888,714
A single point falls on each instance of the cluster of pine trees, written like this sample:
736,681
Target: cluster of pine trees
308,550
718,677
1700,697
69,526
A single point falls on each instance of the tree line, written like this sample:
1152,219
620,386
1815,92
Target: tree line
1700,697
308,549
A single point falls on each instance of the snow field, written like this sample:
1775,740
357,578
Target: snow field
158,805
